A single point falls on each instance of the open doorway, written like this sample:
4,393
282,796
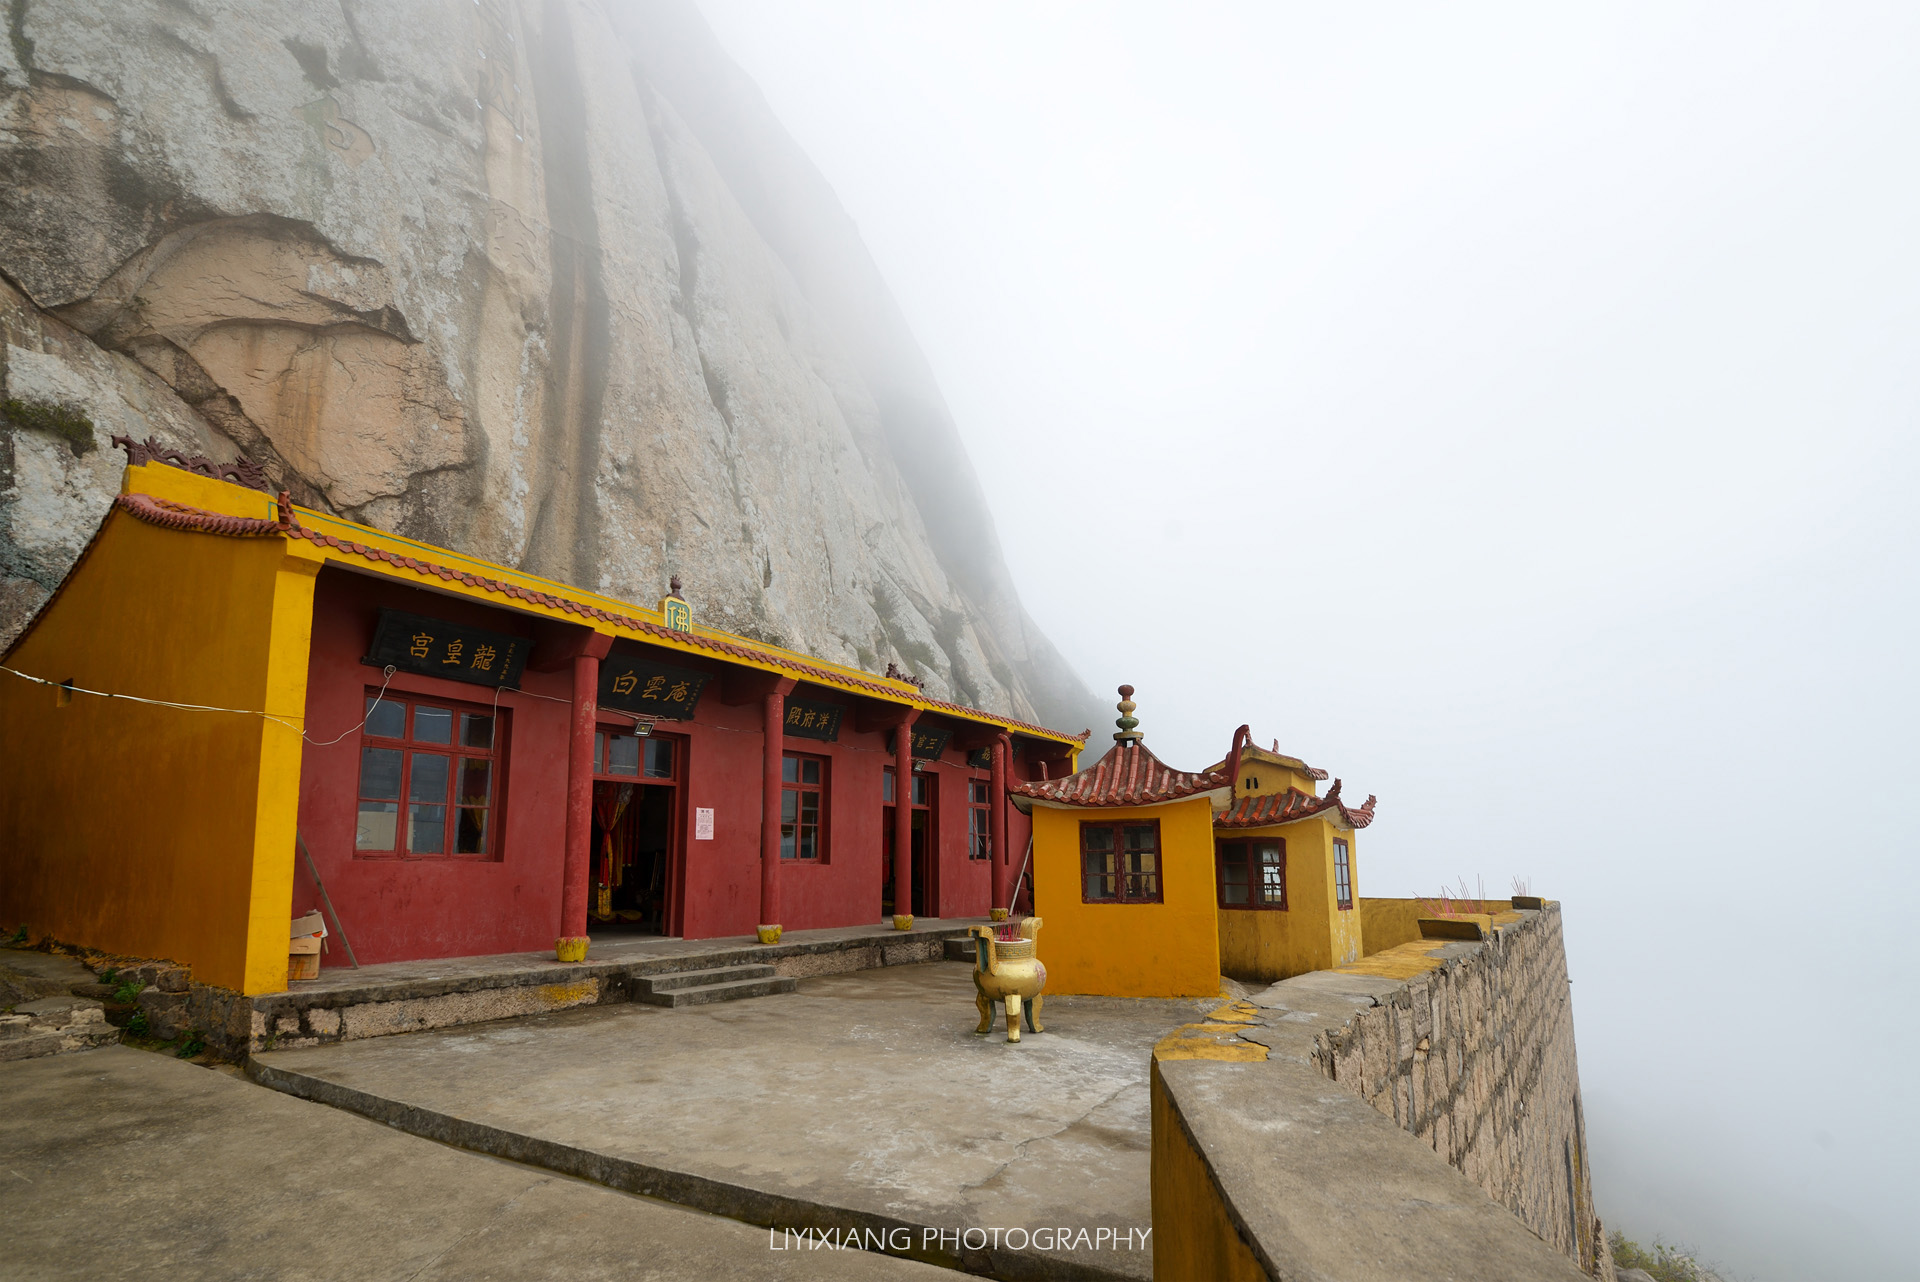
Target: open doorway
636,833
924,895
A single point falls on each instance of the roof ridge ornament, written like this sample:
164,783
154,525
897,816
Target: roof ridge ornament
1129,724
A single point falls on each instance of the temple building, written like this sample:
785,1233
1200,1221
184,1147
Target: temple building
231,696
1155,882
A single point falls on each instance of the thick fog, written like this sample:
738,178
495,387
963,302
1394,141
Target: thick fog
1511,410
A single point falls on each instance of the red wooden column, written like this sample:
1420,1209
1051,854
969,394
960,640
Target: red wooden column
903,820
572,943
773,754
1003,873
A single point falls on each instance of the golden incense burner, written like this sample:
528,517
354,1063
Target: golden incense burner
1006,971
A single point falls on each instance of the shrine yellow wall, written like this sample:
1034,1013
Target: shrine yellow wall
1312,932
1168,949
150,831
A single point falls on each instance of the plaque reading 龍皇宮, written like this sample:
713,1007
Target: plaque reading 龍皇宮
928,744
441,648
640,685
808,720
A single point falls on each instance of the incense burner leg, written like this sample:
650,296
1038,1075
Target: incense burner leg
1033,1015
1013,1017
985,1003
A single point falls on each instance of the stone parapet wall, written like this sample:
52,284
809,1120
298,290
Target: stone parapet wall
1474,1054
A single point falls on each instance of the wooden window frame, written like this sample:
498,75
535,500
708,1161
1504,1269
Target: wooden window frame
1119,876
1342,874
409,747
799,789
1246,846
603,736
980,822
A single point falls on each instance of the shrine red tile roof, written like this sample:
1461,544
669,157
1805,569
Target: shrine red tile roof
1286,807
1129,775
180,516
1264,756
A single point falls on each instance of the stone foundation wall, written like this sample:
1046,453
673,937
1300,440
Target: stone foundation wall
1475,1056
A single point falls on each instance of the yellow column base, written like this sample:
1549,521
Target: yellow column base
903,921
571,950
768,934
998,914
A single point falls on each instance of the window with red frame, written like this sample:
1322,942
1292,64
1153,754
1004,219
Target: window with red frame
803,807
429,780
1252,873
1342,874
979,825
1120,863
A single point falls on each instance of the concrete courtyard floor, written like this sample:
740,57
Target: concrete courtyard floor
860,1101
120,1163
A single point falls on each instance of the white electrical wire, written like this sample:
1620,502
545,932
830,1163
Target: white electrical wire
251,712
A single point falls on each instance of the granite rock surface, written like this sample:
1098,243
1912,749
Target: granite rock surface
541,280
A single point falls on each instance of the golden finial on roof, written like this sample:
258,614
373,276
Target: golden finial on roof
1129,731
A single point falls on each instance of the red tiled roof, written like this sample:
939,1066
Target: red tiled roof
179,516
1285,807
1129,775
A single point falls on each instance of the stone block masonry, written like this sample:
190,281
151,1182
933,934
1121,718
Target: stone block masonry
1456,1148
1474,1055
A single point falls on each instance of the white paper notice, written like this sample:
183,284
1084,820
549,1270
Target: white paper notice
703,823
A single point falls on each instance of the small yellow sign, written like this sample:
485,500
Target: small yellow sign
678,614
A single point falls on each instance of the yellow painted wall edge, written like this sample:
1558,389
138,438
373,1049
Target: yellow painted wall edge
151,831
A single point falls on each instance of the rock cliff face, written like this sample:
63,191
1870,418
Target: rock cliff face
544,281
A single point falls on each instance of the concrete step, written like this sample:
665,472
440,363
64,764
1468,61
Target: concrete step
666,981
961,950
723,990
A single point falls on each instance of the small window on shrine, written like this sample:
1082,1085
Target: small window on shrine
428,780
1342,874
1120,863
979,824
1252,874
803,807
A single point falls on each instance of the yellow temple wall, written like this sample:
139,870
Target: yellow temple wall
1388,923
1168,949
151,831
1262,944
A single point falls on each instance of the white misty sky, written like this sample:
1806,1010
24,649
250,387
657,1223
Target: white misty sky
1511,409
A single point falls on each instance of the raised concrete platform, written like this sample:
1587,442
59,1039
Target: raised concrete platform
861,1102
345,1004
123,1164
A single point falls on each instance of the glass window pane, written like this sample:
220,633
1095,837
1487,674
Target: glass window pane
623,755
429,776
786,841
920,790
380,773
789,806
1232,893
1140,837
433,725
476,730
471,831
476,782
600,752
1099,887
886,786
386,718
1097,838
809,772
809,807
659,758
427,829
790,770
375,829
809,836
